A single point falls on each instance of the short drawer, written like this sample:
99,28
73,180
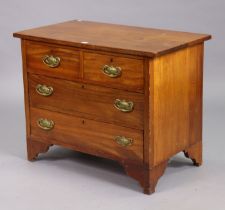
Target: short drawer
90,101
53,61
101,139
114,71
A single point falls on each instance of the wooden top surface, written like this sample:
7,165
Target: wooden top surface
113,38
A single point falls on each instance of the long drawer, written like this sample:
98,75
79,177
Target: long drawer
85,100
102,139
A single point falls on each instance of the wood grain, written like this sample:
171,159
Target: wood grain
84,100
26,100
176,80
148,140
194,152
26,88
152,177
87,135
35,148
147,177
162,73
69,67
130,79
114,38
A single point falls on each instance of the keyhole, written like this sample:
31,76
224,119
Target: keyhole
82,121
111,59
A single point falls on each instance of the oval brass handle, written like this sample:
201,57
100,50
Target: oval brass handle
44,90
124,106
45,124
111,71
123,141
51,61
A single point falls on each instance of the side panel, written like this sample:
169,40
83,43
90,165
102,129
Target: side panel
26,96
175,101
26,91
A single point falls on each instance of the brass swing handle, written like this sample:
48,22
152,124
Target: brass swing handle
51,61
123,105
45,124
44,90
111,71
123,141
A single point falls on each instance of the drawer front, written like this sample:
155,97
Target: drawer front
87,100
114,71
101,139
53,61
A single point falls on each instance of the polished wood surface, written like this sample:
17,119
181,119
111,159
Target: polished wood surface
131,70
175,101
35,148
194,152
87,135
161,73
25,84
69,67
90,101
113,38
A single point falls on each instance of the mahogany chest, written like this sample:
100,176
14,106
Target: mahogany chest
126,93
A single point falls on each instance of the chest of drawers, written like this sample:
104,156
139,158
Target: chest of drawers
126,93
